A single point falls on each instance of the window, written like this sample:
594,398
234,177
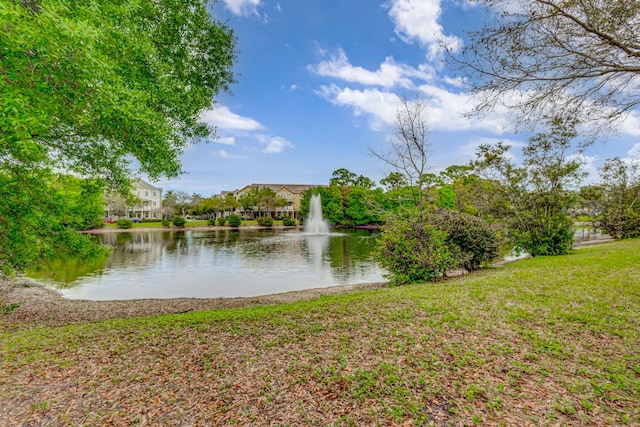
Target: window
154,194
154,204
146,194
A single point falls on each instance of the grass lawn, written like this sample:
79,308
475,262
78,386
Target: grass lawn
545,341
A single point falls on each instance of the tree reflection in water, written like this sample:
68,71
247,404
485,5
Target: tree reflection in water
222,263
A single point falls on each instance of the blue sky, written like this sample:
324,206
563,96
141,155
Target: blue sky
319,83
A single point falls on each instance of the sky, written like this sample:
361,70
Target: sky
319,84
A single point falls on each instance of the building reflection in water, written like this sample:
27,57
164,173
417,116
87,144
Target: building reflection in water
225,263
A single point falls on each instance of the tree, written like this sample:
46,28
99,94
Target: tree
229,203
343,178
183,200
249,201
393,181
269,201
84,202
408,152
169,204
535,195
569,57
89,87
209,206
619,202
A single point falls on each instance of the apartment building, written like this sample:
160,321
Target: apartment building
146,203
292,193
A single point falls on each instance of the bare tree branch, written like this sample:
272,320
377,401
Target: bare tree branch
547,56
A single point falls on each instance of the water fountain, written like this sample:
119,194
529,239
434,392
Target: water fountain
315,224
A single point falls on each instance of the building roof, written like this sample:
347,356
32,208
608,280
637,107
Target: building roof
295,188
144,184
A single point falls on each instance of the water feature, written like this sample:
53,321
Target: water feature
217,263
316,224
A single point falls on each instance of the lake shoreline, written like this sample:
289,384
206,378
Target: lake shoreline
39,305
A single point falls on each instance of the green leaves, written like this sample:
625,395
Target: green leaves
92,87
536,194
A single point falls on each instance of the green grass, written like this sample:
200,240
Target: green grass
545,341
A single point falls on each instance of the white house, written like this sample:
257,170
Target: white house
146,204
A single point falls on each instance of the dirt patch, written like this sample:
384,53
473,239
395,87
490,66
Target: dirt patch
39,305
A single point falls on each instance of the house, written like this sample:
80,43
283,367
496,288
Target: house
292,193
146,203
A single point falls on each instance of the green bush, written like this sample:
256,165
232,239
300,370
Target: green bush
179,221
234,220
124,223
265,221
288,222
211,221
222,221
547,236
413,252
165,222
474,242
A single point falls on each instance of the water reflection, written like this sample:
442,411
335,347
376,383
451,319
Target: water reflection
221,263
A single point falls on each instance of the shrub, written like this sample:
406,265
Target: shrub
552,235
265,221
165,222
474,242
234,220
288,222
179,221
124,223
211,221
413,252
222,221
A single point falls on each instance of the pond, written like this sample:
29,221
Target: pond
220,263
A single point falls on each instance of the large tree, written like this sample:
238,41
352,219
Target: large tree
536,196
408,149
549,56
618,204
97,86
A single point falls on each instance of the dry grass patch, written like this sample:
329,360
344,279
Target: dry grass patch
547,341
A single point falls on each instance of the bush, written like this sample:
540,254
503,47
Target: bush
165,222
222,221
413,252
288,222
265,221
234,220
124,223
211,221
474,242
179,221
548,236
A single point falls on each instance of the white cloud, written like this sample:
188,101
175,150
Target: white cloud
455,82
222,118
419,20
444,112
634,152
274,144
389,74
379,105
589,166
226,155
226,140
630,124
243,7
